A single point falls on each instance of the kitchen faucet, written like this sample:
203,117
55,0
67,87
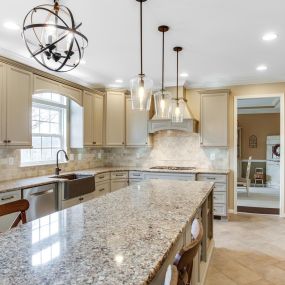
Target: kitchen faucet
57,170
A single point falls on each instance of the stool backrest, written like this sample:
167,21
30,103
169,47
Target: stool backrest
13,207
184,260
171,276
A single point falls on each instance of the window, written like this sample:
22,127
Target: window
49,113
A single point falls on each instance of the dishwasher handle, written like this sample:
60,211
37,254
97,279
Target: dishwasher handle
42,193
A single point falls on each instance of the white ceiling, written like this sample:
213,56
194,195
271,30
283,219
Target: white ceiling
221,39
259,105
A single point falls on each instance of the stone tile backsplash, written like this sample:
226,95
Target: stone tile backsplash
83,159
169,148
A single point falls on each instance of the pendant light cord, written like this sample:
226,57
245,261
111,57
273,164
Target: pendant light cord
177,77
141,36
162,87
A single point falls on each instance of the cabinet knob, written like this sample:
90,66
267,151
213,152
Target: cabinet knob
8,141
123,143
5,141
94,142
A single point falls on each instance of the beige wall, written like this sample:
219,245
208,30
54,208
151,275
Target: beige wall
193,98
260,125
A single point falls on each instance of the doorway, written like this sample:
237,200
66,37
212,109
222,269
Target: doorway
258,175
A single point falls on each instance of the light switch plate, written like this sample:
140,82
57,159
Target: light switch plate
212,156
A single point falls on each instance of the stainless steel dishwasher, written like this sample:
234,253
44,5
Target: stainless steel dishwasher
43,200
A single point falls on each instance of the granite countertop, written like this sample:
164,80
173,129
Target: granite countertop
121,238
11,185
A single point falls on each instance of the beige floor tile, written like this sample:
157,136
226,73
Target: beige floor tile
219,279
250,250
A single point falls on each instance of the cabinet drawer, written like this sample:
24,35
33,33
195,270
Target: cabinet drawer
134,181
212,177
220,187
7,220
220,197
102,177
119,175
220,210
102,189
119,184
136,175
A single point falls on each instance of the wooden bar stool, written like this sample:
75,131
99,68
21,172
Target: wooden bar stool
184,259
171,276
17,206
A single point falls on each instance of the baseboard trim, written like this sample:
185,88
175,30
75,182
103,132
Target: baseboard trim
258,210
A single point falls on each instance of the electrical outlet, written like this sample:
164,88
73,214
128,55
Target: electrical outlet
11,160
212,156
79,156
71,156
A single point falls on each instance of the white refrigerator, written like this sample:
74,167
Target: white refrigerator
273,161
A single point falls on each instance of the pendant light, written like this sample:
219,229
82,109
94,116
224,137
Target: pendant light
141,86
53,38
178,105
162,98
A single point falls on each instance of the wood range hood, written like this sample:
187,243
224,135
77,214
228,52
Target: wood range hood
189,124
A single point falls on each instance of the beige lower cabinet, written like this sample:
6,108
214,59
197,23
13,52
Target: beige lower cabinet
214,118
75,201
115,118
16,102
119,184
220,192
7,221
93,119
102,188
136,126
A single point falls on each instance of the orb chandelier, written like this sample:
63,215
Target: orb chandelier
178,105
141,86
163,98
53,37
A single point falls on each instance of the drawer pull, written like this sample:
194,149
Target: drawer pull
136,175
102,189
81,199
101,177
7,198
211,178
119,175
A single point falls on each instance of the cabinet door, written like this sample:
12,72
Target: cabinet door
214,119
73,93
119,184
115,119
98,111
88,118
2,105
136,126
19,107
7,221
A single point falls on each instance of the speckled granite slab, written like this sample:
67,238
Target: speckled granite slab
12,185
121,238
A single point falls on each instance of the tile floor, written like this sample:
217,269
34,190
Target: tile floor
250,250
264,197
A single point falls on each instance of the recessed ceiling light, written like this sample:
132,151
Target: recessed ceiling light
119,81
184,74
11,26
269,37
261,67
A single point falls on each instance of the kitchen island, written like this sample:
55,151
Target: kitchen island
125,237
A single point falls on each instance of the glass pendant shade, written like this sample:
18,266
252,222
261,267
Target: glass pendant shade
163,104
141,91
178,108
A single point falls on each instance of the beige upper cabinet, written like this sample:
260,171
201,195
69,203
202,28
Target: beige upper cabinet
136,126
115,118
214,119
93,105
2,104
16,101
